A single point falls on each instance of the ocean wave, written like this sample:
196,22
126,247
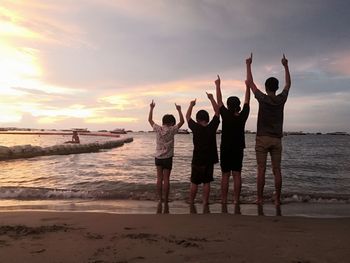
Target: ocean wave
148,192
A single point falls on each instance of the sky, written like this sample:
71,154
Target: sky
98,64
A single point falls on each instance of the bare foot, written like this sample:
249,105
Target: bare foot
260,210
278,210
166,208
159,208
193,209
206,209
224,208
237,209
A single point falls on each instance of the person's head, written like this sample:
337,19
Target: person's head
202,117
271,84
169,120
233,104
75,133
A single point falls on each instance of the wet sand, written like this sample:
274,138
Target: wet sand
102,237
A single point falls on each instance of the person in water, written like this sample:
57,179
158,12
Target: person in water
75,138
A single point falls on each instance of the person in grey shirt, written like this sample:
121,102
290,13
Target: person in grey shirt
269,128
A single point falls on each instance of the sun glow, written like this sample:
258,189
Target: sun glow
16,65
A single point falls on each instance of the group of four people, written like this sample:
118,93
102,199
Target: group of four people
268,140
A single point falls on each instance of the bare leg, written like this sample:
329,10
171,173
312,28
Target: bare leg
166,184
206,192
260,184
166,188
237,185
224,186
160,183
278,185
194,189
159,188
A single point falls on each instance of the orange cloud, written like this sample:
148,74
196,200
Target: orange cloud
108,119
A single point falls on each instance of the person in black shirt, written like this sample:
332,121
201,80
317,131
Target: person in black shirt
205,153
232,143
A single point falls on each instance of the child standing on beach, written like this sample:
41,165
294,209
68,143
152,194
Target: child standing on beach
232,143
205,153
164,152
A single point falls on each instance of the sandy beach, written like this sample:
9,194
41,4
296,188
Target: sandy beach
31,236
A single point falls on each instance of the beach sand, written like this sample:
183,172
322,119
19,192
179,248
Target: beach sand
32,236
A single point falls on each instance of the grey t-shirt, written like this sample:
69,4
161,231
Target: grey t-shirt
270,116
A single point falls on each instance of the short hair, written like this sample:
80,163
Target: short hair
202,115
271,84
169,119
233,103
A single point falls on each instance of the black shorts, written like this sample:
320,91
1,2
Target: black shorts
202,173
231,160
166,163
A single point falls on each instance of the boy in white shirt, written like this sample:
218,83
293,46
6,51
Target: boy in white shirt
164,152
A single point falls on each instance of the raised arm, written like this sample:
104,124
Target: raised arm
189,111
247,94
218,92
214,104
181,122
150,115
250,82
287,74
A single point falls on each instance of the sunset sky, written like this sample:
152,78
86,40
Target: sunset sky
97,64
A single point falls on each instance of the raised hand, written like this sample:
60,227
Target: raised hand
152,105
249,60
218,81
284,61
210,96
193,102
178,107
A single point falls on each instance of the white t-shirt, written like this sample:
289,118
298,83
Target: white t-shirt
165,140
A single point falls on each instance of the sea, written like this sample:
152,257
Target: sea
315,169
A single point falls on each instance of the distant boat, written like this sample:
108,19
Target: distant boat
118,131
295,133
80,129
183,131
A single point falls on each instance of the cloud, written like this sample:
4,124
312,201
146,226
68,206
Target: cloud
106,60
